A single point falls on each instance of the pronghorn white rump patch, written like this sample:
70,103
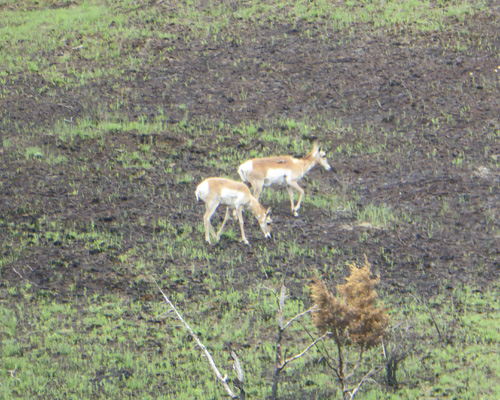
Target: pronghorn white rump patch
245,169
202,190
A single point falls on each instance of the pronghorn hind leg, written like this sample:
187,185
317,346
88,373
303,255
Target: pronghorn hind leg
257,188
223,224
209,230
240,218
212,232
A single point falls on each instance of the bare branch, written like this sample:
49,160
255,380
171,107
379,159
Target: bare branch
303,352
270,289
237,367
281,305
365,378
312,309
327,357
222,379
17,273
282,296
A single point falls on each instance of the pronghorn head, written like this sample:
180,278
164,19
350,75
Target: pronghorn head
319,156
265,221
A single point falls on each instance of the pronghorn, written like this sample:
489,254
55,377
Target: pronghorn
261,172
235,195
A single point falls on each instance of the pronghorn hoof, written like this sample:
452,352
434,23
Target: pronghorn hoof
295,213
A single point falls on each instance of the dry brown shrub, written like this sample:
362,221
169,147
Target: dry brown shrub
353,317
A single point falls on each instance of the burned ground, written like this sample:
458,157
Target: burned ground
101,156
417,133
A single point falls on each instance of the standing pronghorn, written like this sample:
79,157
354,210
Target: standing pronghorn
235,195
261,172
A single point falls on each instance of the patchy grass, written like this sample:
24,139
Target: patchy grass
111,114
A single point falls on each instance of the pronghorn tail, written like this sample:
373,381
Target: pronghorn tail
198,192
243,171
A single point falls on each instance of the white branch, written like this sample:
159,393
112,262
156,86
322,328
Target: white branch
17,273
237,367
302,353
365,378
281,306
271,290
300,315
222,379
282,297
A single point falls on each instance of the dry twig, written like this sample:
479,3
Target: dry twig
222,379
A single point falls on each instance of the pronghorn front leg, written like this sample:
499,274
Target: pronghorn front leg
296,186
206,219
290,192
240,218
223,224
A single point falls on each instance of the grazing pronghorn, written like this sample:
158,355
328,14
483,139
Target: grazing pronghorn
261,172
235,195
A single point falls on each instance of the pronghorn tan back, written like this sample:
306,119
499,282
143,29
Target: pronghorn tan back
261,172
235,195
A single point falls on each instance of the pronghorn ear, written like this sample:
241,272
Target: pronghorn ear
315,146
268,211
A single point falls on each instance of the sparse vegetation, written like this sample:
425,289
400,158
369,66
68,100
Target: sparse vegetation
112,112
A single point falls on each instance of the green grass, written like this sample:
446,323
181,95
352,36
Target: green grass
135,218
107,346
101,32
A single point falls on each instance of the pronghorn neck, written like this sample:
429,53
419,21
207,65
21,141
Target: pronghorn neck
255,207
308,163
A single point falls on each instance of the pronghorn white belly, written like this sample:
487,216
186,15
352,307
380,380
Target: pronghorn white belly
231,197
276,176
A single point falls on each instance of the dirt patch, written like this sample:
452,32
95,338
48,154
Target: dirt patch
423,141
